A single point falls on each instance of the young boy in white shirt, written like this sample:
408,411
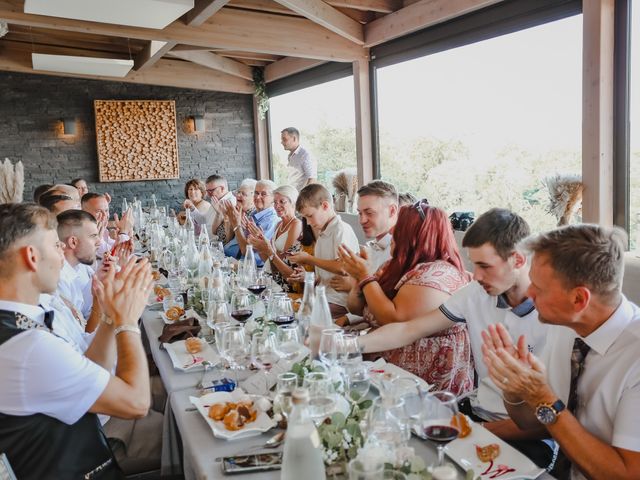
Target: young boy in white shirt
316,205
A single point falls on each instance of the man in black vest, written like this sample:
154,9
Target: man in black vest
49,393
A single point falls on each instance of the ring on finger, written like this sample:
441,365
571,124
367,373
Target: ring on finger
505,380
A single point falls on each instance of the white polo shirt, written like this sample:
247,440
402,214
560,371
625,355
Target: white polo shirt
379,250
474,306
42,373
336,233
609,386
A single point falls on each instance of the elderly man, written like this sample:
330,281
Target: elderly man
264,217
219,195
303,167
588,385
49,392
97,204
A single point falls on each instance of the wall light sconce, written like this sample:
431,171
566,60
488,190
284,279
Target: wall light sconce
69,126
198,123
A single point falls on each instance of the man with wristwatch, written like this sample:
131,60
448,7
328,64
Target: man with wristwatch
585,389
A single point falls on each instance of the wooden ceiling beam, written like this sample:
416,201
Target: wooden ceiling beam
288,66
324,14
152,52
202,11
417,16
358,15
217,62
269,6
382,6
229,29
169,73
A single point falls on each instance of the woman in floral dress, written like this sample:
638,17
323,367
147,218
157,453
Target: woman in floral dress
424,270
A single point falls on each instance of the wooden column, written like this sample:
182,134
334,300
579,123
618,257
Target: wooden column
261,143
597,110
362,94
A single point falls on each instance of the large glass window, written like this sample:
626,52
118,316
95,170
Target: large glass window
635,127
483,125
325,116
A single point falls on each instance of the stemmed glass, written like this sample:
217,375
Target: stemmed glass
258,284
282,310
321,395
241,306
217,313
289,344
234,348
287,383
357,381
438,409
348,350
264,350
329,345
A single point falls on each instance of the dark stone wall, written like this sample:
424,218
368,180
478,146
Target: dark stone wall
31,107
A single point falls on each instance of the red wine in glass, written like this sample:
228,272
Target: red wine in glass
256,289
284,319
442,434
242,315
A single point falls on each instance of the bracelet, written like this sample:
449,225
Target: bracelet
367,280
127,328
270,257
513,404
236,228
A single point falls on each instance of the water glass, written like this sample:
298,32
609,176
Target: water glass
387,423
264,350
287,383
234,348
321,395
357,381
175,299
218,329
348,350
289,344
360,470
329,345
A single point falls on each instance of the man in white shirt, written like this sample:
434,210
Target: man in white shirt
586,392
78,230
97,204
49,392
303,167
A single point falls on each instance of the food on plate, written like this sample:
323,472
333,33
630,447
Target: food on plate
161,292
461,422
156,275
488,452
234,416
193,345
174,313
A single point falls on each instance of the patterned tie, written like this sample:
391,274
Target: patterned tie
562,469
578,356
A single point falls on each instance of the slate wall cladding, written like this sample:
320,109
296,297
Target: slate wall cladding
31,107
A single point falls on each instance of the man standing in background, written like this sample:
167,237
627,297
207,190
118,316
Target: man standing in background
303,167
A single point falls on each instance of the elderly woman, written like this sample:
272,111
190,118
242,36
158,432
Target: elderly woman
194,191
285,239
263,216
424,270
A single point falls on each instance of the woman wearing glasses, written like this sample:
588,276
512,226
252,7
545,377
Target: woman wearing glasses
424,270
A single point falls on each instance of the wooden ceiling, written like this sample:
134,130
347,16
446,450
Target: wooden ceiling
216,45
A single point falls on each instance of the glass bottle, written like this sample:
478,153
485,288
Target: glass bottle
320,319
308,299
302,456
188,224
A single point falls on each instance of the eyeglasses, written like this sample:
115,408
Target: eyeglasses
261,194
282,201
418,207
211,190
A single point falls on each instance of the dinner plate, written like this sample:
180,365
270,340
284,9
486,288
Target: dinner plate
510,461
263,422
381,370
190,362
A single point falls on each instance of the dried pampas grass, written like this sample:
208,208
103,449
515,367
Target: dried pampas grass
11,182
346,183
565,196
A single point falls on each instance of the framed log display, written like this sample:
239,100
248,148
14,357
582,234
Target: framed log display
137,140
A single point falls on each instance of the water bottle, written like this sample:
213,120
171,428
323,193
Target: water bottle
206,261
320,319
308,298
217,283
188,224
302,458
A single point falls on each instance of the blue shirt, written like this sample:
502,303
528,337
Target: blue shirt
266,220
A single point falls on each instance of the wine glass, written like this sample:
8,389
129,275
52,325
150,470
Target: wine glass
329,345
438,408
409,389
234,348
241,306
217,313
218,329
287,383
264,350
282,310
357,381
289,344
348,350
387,423
258,284
321,395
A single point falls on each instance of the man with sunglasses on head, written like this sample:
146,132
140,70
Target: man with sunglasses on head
498,294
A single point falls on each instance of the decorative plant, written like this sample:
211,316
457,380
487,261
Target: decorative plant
565,197
11,182
260,92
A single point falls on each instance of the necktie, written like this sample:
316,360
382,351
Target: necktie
562,469
578,356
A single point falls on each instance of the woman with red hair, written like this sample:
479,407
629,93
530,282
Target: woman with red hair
424,270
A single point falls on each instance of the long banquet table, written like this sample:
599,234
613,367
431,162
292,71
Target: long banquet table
188,443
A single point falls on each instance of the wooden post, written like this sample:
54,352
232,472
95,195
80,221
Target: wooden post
597,110
262,144
362,94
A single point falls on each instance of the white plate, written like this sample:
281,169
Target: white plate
380,368
187,362
262,423
169,322
463,452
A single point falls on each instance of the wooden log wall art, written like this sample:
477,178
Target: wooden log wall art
137,140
